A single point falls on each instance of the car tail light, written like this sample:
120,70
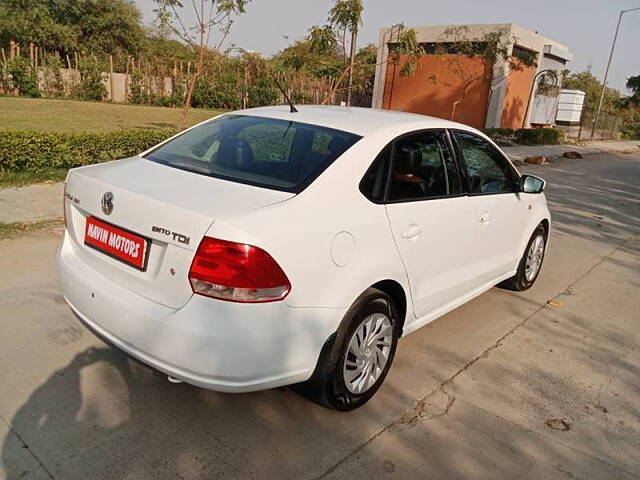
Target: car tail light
237,272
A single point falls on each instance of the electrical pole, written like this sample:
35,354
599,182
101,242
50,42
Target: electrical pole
606,72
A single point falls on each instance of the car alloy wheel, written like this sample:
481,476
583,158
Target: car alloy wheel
367,353
356,359
534,258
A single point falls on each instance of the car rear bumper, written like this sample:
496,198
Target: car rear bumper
223,346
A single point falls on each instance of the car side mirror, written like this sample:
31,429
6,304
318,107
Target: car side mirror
531,184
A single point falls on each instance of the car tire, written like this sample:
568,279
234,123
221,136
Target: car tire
375,314
524,277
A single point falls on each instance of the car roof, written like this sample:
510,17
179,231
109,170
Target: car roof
358,120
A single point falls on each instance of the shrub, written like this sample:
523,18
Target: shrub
137,90
175,100
91,85
262,92
21,75
539,136
223,95
630,129
631,132
502,136
33,151
51,83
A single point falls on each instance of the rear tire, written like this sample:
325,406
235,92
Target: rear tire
355,360
530,263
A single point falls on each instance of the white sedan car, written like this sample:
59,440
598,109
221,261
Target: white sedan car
266,247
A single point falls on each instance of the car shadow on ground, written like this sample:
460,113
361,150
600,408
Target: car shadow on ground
106,415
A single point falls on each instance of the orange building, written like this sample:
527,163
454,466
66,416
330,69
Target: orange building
448,83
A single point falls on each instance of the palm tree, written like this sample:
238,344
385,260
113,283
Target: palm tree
347,15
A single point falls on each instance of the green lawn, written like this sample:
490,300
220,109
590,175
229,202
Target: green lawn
74,116
20,179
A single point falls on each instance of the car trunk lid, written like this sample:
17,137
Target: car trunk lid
169,207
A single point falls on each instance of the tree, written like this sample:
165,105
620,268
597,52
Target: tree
405,43
98,26
592,87
347,15
322,40
364,75
633,84
210,15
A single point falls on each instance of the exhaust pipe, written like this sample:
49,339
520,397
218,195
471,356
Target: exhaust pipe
173,379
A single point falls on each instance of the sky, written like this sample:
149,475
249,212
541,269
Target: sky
585,26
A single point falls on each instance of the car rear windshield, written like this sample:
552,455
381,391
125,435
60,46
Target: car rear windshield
267,152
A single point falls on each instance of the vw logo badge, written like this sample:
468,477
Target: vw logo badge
107,203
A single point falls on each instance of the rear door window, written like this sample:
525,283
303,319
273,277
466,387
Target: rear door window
423,167
266,152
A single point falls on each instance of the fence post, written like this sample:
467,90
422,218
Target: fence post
174,76
126,81
111,78
148,78
582,119
245,92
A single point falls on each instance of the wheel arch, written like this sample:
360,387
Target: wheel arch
532,224
545,224
397,294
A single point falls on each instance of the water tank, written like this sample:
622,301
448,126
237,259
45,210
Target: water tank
570,103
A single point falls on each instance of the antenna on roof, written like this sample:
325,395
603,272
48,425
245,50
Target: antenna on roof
292,107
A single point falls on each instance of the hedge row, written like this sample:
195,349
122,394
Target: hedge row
525,136
33,151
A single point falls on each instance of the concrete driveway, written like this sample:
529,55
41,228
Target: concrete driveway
541,384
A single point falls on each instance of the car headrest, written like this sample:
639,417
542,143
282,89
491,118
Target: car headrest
408,161
234,152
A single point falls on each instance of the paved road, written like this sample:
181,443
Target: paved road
469,396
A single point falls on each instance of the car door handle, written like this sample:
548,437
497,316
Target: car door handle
485,218
412,231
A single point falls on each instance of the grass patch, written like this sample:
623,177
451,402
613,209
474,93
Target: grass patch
19,229
69,116
20,179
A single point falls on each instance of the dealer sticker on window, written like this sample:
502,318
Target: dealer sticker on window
116,242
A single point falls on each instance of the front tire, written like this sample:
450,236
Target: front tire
530,263
355,360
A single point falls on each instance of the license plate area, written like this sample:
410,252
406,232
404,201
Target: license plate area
118,243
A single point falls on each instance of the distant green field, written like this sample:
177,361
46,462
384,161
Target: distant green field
74,116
